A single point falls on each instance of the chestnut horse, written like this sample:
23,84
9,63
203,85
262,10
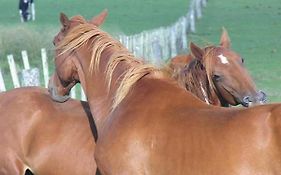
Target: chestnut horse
147,124
216,75
46,137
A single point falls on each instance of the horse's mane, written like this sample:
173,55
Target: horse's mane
87,33
193,78
196,76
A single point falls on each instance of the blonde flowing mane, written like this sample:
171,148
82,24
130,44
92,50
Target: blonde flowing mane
87,33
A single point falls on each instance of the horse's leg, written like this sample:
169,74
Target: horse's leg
10,163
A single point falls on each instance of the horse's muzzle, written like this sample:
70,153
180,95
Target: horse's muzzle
259,98
54,93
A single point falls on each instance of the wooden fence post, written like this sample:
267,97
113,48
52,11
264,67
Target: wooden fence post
13,71
45,66
73,92
25,59
2,84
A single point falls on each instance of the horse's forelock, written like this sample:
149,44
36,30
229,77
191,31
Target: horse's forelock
79,19
210,53
75,37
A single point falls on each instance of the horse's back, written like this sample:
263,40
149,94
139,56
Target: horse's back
48,136
171,134
15,120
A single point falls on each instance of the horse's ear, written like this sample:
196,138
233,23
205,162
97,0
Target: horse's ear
225,40
99,19
196,51
64,20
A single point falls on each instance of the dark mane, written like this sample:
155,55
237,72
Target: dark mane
196,78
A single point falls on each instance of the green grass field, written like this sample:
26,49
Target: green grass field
125,16
254,27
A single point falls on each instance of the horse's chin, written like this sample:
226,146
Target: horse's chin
231,100
235,99
246,104
239,101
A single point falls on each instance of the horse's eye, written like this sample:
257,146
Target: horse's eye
242,59
217,78
65,83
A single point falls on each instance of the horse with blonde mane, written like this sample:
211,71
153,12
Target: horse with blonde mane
147,124
40,136
216,75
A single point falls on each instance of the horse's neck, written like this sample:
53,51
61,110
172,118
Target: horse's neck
207,92
214,99
101,91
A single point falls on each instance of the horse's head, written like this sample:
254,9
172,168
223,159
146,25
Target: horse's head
66,74
68,24
227,74
178,63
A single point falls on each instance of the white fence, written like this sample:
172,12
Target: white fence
165,42
31,76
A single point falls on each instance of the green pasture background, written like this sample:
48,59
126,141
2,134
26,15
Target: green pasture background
254,27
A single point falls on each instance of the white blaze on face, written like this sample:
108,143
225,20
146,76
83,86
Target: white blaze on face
223,59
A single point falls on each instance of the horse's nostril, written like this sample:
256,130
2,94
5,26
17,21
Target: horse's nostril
262,96
246,99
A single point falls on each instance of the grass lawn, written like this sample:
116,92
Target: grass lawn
254,27
125,16
128,16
